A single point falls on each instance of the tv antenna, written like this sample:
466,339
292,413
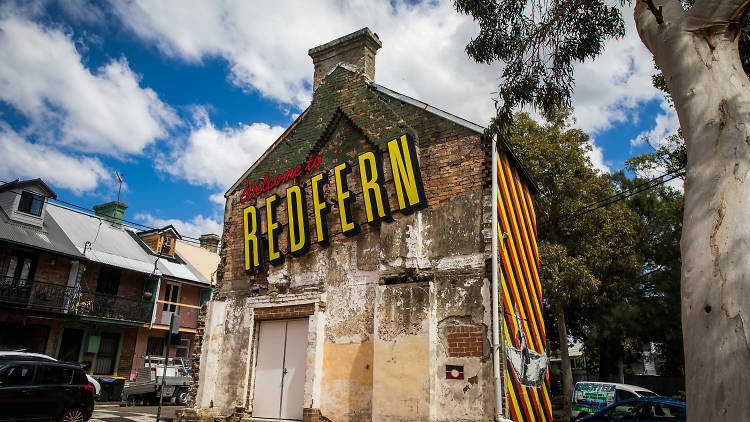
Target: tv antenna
119,177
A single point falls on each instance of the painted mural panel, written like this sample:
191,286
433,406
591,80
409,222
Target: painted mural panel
526,375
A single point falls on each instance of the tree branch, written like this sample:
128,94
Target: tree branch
656,12
719,11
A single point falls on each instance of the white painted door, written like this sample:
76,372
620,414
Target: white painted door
295,356
280,369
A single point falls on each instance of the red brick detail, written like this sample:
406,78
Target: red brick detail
310,415
466,341
285,312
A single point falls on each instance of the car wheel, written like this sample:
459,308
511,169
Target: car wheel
75,414
182,397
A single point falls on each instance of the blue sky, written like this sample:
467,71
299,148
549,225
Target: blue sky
181,97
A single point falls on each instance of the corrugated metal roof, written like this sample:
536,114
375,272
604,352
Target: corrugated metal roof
50,237
99,241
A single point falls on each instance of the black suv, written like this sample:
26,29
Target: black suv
43,390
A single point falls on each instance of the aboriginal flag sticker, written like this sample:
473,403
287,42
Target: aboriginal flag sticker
454,372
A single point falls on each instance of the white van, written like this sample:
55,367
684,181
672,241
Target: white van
591,397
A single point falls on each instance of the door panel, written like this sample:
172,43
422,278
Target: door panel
295,357
105,358
280,369
70,346
268,374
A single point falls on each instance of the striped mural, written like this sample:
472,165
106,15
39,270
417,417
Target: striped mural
526,377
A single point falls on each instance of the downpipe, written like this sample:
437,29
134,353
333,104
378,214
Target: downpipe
495,300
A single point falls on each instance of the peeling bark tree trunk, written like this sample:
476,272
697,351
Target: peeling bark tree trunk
698,54
567,372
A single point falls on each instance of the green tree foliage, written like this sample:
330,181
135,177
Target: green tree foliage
669,157
539,42
588,261
657,296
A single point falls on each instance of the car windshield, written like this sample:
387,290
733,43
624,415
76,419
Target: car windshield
644,393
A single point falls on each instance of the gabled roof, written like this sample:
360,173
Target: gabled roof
16,184
161,230
309,129
97,240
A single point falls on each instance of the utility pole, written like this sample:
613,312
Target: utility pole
173,328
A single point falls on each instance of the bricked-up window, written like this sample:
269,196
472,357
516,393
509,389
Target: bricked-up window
31,203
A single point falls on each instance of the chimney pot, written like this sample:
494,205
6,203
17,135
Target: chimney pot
112,212
357,49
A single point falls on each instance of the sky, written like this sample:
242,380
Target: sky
181,97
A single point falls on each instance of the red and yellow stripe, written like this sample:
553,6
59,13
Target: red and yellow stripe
521,289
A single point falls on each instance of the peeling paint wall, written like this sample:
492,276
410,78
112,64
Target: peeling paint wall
388,302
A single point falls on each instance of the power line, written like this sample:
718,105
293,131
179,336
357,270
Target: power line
620,196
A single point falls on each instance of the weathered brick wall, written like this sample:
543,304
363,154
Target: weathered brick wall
52,269
131,284
465,341
284,312
454,161
349,117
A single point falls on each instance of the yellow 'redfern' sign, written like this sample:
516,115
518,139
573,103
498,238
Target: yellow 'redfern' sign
407,184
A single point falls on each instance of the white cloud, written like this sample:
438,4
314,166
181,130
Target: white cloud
666,124
218,198
596,155
217,157
75,172
106,111
193,228
614,86
422,56
266,45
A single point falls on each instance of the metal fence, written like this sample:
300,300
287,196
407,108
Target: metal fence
71,299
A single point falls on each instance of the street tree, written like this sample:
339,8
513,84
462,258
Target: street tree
657,295
587,260
697,48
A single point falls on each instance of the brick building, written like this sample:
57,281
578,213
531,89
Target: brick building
87,288
354,281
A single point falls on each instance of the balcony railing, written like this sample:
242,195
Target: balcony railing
72,300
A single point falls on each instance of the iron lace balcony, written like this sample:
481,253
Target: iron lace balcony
72,300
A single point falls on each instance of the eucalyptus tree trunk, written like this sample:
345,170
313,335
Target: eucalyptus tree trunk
698,54
567,372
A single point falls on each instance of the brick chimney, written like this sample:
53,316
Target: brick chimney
210,242
112,212
357,49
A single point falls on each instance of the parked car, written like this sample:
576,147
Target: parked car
642,409
39,356
33,390
591,397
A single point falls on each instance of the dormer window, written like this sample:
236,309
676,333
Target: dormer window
161,241
167,246
31,203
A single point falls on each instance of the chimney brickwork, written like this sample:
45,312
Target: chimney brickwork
210,242
357,49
